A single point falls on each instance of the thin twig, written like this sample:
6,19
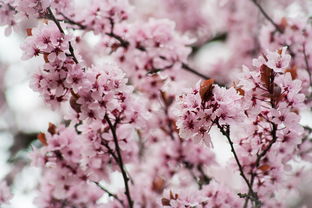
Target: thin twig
120,161
168,119
307,128
109,193
226,132
206,179
110,151
274,139
307,63
123,43
71,49
189,166
112,127
71,22
198,47
189,69
257,4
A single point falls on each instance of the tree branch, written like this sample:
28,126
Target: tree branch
257,4
51,16
71,22
189,69
109,193
307,63
120,161
273,134
226,132
219,37
123,43
112,127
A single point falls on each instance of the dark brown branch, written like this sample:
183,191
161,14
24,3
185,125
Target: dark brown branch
225,130
257,4
273,134
277,27
120,161
197,47
307,63
71,22
204,179
189,69
51,16
123,43
167,103
110,193
307,128
110,151
112,127
169,123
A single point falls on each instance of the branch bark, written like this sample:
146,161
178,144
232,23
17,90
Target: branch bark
51,16
110,193
123,43
251,193
120,161
257,4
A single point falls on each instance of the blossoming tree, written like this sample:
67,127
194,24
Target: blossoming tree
137,104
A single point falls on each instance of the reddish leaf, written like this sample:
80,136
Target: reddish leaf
266,73
205,89
240,91
264,167
165,202
42,138
158,184
283,24
29,31
45,57
52,128
293,72
73,102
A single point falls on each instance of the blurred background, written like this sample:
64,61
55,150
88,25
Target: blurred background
23,114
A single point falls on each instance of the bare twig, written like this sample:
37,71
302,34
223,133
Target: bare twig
225,130
307,63
217,37
274,139
118,158
52,17
123,43
71,22
109,193
257,4
120,161
189,166
204,178
189,69
168,119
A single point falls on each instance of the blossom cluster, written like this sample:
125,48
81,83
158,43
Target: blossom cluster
296,34
202,107
209,196
102,16
64,181
60,72
154,47
101,109
264,105
7,17
126,112
31,8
